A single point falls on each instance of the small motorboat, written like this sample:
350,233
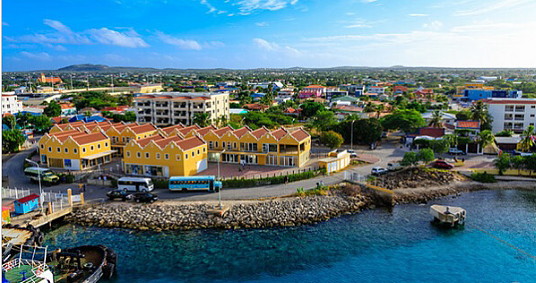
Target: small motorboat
449,216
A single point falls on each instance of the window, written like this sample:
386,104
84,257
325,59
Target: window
198,151
139,154
106,144
83,149
186,156
223,144
166,156
520,108
50,149
532,106
128,153
147,155
178,157
531,115
59,149
42,146
509,108
91,148
66,150
193,153
75,150
204,149
216,144
98,145
210,145
158,156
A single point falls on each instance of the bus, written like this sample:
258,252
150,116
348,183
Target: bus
46,175
194,183
132,184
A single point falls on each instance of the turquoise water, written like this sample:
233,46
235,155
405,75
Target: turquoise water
375,246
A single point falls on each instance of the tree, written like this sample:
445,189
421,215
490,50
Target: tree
425,155
436,119
202,119
479,112
331,139
309,109
504,133
410,158
404,120
527,142
12,140
9,120
41,123
24,119
324,120
463,115
518,162
367,131
502,162
53,109
485,138
439,146
451,139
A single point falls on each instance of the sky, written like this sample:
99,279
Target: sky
242,34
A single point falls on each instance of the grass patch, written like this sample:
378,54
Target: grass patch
318,191
246,183
483,177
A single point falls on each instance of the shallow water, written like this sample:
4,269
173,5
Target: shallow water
374,246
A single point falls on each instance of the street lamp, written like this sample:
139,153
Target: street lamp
352,135
40,188
219,178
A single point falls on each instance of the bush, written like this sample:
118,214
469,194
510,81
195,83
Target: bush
246,183
483,177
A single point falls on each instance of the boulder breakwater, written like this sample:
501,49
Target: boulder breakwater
280,212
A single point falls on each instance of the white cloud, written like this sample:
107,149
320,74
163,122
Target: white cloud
274,47
433,25
112,37
211,9
261,24
56,47
418,15
41,56
368,1
248,6
57,25
358,26
186,44
495,6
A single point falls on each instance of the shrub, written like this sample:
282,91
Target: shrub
483,177
245,183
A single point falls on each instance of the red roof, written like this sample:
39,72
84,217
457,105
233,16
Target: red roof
28,198
432,132
468,124
509,101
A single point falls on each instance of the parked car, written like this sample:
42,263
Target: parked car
394,166
353,154
441,164
377,171
144,197
118,194
522,153
455,151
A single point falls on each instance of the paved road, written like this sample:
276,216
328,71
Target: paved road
387,152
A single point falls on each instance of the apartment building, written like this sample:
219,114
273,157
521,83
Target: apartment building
172,108
511,114
10,104
75,149
163,156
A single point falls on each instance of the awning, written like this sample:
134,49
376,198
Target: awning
94,156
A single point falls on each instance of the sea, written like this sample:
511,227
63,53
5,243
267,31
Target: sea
497,244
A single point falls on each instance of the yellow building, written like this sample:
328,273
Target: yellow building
75,149
281,147
120,135
159,155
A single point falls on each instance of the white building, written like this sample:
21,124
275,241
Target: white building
10,104
511,114
172,108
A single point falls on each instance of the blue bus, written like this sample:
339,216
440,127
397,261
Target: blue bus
194,183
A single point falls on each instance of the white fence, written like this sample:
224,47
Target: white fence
354,177
57,200
14,193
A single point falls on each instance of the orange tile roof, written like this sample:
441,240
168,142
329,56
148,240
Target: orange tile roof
143,128
220,132
190,143
242,131
300,134
315,86
205,130
468,124
279,133
164,142
89,138
509,101
145,141
186,130
259,132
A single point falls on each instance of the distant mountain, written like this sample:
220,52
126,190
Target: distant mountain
100,68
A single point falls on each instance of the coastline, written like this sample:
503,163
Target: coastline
278,212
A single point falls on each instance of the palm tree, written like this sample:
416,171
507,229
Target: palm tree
479,112
436,119
451,139
527,142
379,109
485,138
202,119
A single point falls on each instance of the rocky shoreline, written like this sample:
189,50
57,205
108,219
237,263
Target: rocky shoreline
272,213
279,212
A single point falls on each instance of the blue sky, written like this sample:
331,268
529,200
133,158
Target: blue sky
268,33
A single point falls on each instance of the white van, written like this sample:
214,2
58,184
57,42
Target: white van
393,166
132,184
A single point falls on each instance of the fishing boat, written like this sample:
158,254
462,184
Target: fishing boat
13,237
84,264
449,216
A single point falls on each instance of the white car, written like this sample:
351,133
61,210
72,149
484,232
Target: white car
377,171
394,166
353,154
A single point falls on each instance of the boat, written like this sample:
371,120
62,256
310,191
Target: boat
84,264
449,216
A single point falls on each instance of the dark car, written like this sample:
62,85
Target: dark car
441,164
115,194
144,197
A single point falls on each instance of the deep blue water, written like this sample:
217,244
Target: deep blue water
374,246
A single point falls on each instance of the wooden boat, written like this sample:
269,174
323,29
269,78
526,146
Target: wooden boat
448,215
